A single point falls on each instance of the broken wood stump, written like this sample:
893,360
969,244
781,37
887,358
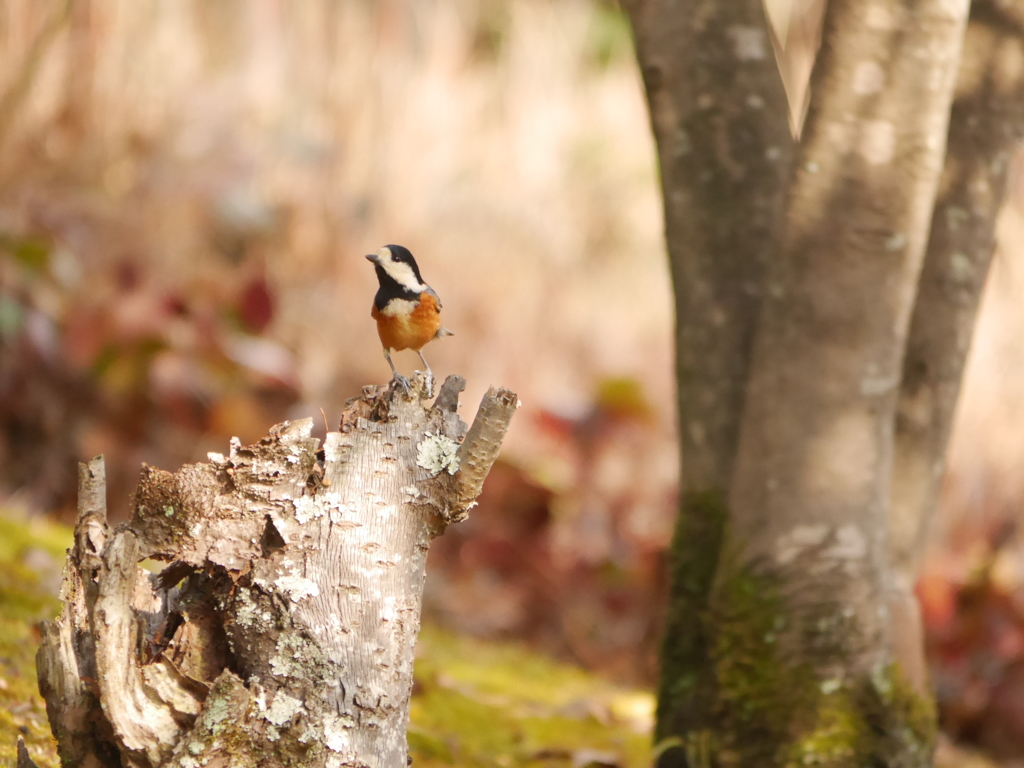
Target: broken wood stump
281,628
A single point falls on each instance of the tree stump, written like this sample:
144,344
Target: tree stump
281,631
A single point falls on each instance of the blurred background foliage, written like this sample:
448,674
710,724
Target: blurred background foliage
186,193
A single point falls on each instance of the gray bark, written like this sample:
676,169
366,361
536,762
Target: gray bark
719,116
282,629
986,127
809,503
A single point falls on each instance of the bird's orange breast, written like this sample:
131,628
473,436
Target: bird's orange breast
407,324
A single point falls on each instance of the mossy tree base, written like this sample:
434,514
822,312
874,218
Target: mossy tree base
770,703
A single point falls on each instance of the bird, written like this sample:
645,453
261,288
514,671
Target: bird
407,310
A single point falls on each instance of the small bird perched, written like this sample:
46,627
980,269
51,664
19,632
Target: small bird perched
407,311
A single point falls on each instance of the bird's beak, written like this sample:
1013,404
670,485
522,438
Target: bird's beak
373,257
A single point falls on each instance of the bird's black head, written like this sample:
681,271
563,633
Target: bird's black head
395,265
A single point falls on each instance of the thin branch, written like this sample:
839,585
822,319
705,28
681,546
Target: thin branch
480,448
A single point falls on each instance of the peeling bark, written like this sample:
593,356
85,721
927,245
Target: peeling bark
281,630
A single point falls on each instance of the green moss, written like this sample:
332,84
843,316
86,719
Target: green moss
837,737
17,537
609,36
918,713
741,681
505,671
687,675
773,709
869,725
24,600
428,747
758,692
499,704
456,728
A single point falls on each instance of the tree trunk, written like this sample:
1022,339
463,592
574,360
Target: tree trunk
986,127
802,629
282,630
787,660
719,116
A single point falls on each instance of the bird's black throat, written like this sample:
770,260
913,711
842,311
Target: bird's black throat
391,289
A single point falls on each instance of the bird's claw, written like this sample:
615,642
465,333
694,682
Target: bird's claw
403,382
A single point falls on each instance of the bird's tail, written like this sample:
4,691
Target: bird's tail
442,332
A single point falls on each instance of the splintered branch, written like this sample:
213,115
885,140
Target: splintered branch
66,663
24,761
281,630
482,444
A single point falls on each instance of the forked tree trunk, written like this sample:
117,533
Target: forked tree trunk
793,631
281,632
842,274
801,598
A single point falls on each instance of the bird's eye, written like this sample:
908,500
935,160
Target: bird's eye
393,257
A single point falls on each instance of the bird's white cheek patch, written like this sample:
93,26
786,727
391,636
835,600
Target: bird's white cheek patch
402,274
398,308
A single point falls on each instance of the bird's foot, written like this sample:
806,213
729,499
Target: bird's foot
403,382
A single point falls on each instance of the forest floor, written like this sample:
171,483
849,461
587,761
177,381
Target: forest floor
475,703
186,194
